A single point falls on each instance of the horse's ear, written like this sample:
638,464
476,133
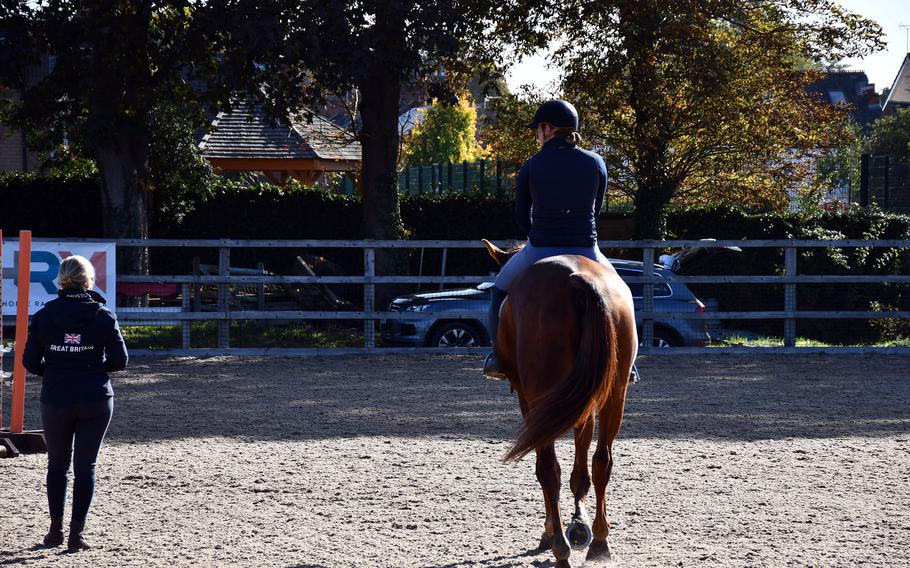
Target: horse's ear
496,253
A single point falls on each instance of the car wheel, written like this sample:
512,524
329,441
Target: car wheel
663,339
456,334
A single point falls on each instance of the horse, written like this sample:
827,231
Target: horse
566,342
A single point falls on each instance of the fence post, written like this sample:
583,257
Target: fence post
442,272
498,177
647,261
369,298
464,176
483,164
224,325
864,180
185,325
790,297
450,168
260,289
886,191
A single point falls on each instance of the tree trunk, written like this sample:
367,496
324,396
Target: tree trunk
380,94
651,212
647,97
125,202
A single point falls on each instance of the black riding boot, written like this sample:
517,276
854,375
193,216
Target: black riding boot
491,366
54,536
76,541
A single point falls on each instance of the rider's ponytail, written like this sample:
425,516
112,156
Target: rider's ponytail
570,135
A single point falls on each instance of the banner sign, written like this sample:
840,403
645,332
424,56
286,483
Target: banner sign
46,258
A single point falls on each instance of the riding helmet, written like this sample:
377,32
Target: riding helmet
557,112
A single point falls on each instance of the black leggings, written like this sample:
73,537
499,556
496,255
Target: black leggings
86,423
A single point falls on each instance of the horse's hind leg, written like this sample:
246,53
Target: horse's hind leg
579,531
548,474
610,420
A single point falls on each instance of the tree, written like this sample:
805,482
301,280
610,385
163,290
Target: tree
448,133
691,98
505,133
122,78
890,136
839,166
373,47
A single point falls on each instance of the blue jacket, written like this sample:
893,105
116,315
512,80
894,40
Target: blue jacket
73,342
559,193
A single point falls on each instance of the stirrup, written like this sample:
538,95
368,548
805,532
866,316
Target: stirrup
491,367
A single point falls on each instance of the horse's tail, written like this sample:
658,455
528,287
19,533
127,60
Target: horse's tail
587,387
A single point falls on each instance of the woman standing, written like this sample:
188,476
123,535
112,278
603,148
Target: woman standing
558,194
73,343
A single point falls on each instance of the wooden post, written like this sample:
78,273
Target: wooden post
197,287
224,325
260,289
369,298
498,177
185,325
483,164
450,168
886,177
864,180
464,176
790,297
647,266
17,411
442,272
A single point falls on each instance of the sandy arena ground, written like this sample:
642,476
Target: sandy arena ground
394,461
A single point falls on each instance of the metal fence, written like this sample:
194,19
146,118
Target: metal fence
370,314
885,181
485,176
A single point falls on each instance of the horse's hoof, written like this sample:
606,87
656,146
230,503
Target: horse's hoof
546,542
599,551
563,563
580,535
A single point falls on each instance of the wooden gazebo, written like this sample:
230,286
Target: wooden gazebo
244,140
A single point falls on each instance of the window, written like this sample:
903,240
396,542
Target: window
837,97
661,290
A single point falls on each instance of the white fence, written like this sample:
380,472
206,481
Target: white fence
371,314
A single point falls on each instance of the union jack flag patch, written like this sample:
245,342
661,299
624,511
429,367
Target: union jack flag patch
72,338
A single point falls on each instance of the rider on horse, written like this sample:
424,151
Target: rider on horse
558,194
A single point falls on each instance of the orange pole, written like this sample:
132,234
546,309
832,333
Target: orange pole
1,329
17,413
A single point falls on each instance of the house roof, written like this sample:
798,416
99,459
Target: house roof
246,132
899,95
851,88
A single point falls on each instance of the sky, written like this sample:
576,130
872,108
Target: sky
881,67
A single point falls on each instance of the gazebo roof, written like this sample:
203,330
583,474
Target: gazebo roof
246,133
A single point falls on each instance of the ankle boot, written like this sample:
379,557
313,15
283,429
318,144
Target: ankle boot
54,536
491,366
76,542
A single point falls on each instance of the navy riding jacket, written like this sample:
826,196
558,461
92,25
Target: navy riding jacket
73,342
559,193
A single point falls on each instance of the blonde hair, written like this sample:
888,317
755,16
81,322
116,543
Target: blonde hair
75,272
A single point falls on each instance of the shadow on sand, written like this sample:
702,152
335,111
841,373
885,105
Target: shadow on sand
724,397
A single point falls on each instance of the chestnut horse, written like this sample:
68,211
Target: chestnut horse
566,342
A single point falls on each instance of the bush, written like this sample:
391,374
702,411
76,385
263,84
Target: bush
50,206
729,223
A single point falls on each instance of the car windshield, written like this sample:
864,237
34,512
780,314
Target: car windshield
661,289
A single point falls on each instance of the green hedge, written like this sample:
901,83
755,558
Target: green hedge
729,223
50,207
71,207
